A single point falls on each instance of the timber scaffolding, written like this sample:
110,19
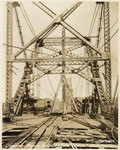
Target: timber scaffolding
53,132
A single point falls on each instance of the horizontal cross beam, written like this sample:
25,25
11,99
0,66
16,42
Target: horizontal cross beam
57,41
59,60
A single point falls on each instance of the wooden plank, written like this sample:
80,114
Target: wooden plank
86,145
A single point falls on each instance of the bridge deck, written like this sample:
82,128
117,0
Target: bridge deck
77,132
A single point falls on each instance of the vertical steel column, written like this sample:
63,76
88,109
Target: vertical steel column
32,90
16,4
87,82
38,73
34,71
63,71
9,51
107,49
97,79
38,84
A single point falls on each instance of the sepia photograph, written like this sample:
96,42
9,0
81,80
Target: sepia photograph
59,74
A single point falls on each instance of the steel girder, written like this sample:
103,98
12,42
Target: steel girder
107,49
21,90
9,51
48,60
57,41
97,80
63,72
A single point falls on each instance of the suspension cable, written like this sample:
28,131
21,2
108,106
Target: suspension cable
26,49
99,26
47,8
95,16
111,27
28,19
114,24
105,43
27,22
110,38
92,20
95,19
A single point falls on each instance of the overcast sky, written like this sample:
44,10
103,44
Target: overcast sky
80,19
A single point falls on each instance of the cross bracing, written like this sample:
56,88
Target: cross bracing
64,57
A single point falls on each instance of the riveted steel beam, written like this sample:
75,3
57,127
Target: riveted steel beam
9,51
107,50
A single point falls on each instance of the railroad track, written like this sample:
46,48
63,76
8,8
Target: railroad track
29,138
76,133
83,136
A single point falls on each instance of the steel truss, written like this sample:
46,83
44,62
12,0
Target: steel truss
9,51
107,49
60,58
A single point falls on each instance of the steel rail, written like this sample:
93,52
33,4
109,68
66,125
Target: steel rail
43,132
18,139
22,140
46,142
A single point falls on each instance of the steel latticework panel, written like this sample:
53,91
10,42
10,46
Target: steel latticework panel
107,49
59,58
9,41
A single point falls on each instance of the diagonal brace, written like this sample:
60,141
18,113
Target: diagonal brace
72,30
47,30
